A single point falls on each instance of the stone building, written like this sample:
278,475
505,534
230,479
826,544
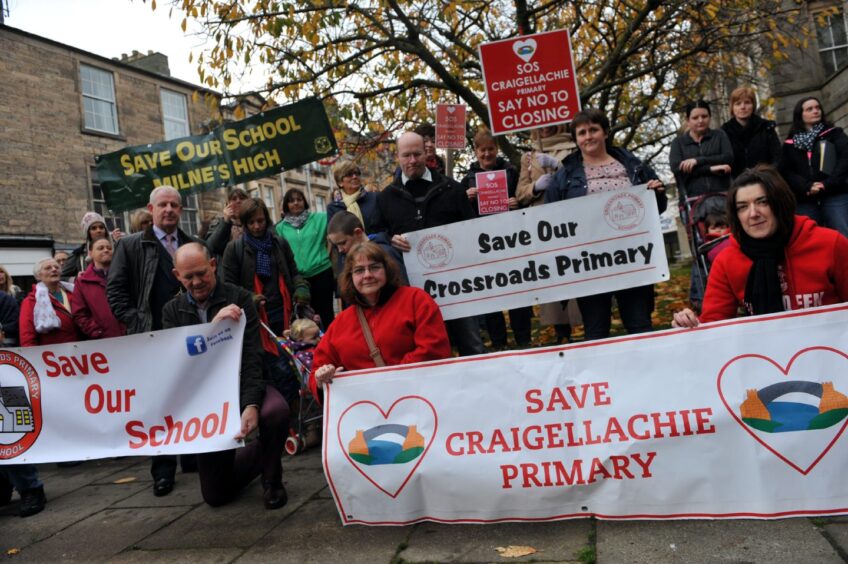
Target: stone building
62,106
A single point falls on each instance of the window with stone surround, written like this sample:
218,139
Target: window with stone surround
174,114
832,35
120,220
188,218
98,99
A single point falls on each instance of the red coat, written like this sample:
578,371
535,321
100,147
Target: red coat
66,333
407,328
814,273
90,307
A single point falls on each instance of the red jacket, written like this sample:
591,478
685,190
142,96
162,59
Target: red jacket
66,333
90,307
407,328
814,273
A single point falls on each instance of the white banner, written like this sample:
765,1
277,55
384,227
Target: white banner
579,247
166,392
737,419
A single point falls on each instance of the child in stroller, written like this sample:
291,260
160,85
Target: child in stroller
298,343
716,235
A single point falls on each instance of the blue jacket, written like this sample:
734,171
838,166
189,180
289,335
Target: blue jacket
570,180
367,205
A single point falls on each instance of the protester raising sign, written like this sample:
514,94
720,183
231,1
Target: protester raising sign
168,392
259,146
530,81
738,419
450,126
584,246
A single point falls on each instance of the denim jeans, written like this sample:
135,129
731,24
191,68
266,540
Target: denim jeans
831,212
22,476
635,306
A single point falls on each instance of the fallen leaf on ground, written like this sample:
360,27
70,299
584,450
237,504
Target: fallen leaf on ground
515,551
125,480
12,551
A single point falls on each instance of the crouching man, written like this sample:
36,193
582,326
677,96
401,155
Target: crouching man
223,474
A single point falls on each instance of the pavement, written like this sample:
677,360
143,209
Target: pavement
104,510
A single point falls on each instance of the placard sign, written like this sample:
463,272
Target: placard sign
579,247
450,126
167,392
530,81
737,419
492,192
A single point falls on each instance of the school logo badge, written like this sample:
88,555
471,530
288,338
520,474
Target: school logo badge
388,446
624,211
434,251
323,145
20,405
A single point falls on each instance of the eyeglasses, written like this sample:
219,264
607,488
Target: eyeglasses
352,173
373,268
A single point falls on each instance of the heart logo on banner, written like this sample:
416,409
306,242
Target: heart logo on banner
490,176
797,412
451,109
363,431
525,49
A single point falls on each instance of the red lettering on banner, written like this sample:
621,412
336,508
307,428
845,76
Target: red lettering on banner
532,397
558,398
556,473
449,447
115,401
646,465
619,467
702,419
177,431
509,473
73,366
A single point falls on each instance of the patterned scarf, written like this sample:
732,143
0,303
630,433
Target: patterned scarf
806,139
298,220
263,248
43,315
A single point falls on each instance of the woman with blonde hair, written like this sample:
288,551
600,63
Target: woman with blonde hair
754,139
355,198
7,284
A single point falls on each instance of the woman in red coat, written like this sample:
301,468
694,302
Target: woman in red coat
46,312
89,304
406,323
776,261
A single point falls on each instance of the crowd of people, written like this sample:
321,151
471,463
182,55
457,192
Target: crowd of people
782,234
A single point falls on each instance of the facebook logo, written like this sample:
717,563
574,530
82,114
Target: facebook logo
195,344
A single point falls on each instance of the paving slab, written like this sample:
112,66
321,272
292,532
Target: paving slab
837,531
140,470
239,523
60,513
790,541
559,541
100,536
314,534
179,556
186,492
309,459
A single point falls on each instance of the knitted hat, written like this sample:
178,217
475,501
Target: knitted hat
89,219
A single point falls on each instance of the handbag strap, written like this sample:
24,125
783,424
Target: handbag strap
369,339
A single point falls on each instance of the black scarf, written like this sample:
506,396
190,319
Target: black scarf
762,290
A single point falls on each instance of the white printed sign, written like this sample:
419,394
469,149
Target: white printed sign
167,392
579,247
736,419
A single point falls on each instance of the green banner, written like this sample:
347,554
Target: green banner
259,146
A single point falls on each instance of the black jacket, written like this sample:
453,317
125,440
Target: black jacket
131,277
9,315
714,149
179,312
800,171
755,143
444,202
470,178
239,264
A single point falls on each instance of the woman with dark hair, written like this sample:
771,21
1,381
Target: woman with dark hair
598,166
814,162
262,262
93,227
306,232
404,322
700,158
754,139
89,305
776,260
228,226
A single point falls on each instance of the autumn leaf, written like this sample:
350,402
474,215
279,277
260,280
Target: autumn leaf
515,551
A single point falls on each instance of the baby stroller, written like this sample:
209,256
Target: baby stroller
693,213
291,377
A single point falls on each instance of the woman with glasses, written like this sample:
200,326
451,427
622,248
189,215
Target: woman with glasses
405,322
355,198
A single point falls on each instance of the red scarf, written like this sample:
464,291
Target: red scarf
268,343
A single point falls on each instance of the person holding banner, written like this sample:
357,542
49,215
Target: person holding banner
89,303
814,162
387,324
488,160
306,233
223,474
776,261
46,317
599,166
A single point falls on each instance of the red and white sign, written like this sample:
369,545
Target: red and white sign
168,392
450,126
492,192
530,81
737,419
584,246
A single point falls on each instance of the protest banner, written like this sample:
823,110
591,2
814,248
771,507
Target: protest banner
530,81
167,392
492,192
257,147
584,246
450,126
736,419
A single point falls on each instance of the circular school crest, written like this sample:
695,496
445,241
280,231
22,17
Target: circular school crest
20,405
323,145
434,251
624,211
